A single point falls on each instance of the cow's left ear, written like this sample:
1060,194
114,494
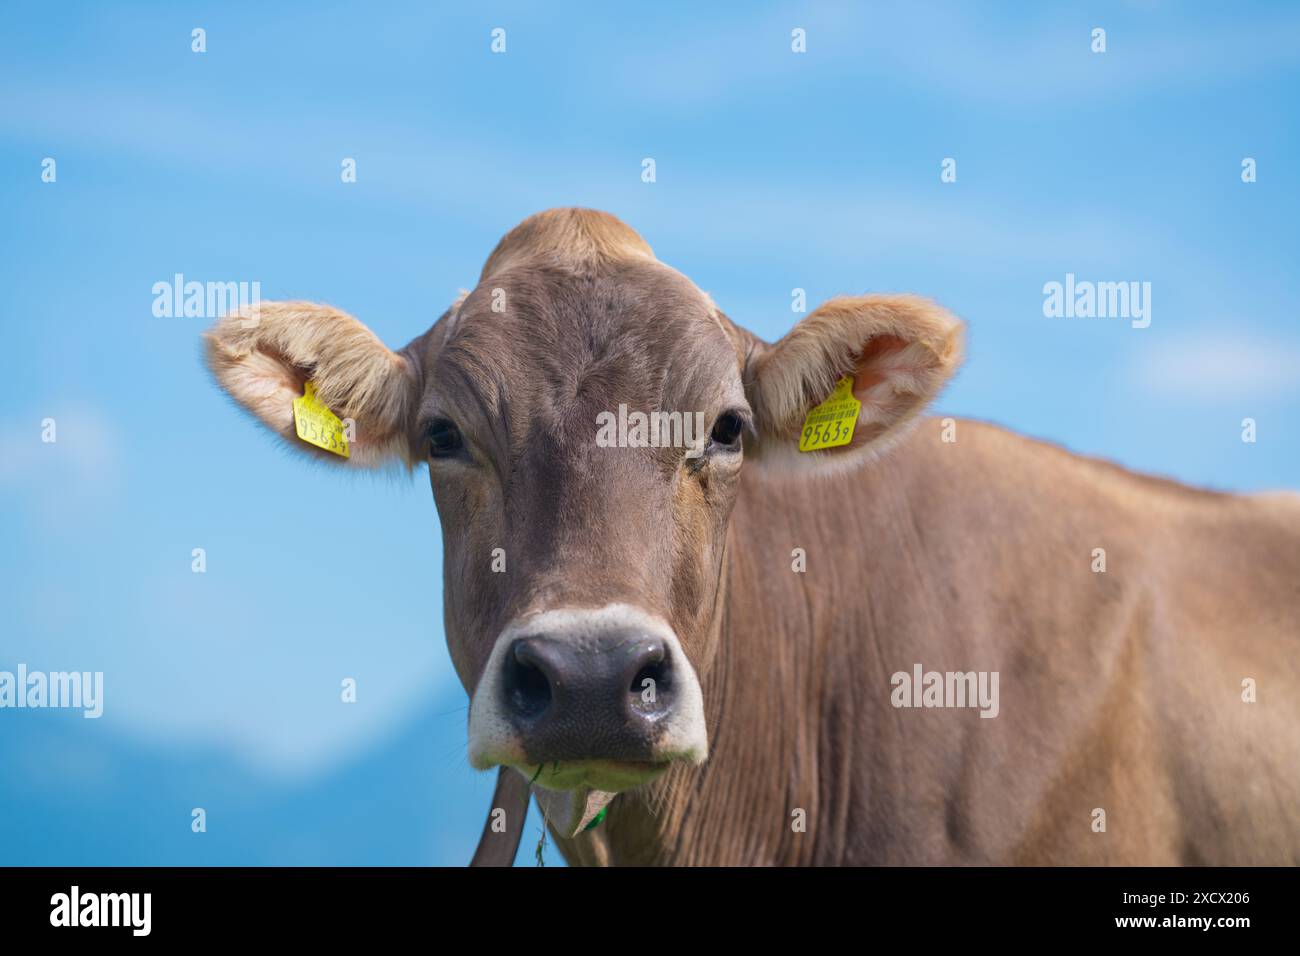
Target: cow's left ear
266,355
899,349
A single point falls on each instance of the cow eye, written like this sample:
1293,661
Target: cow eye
727,429
444,438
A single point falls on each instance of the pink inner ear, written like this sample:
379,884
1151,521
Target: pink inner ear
874,362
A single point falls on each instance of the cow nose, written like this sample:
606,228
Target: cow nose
594,699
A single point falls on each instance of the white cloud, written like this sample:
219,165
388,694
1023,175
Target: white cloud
61,480
1221,365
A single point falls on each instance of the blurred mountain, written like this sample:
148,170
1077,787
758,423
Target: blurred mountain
71,794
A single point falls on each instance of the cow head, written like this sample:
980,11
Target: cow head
584,556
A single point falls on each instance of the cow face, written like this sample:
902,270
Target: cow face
585,413
581,565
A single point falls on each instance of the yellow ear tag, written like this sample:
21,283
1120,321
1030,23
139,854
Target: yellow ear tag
831,423
317,425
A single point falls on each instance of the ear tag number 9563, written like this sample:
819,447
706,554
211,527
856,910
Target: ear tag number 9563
831,423
317,425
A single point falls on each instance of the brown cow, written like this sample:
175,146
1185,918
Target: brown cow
792,662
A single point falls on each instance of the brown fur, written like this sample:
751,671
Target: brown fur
900,349
582,241
263,356
1119,690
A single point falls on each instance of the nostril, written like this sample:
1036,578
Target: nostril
527,688
651,673
651,686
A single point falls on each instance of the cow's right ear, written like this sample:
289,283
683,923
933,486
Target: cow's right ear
265,354
899,351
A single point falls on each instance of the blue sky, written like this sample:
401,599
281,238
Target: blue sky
774,170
